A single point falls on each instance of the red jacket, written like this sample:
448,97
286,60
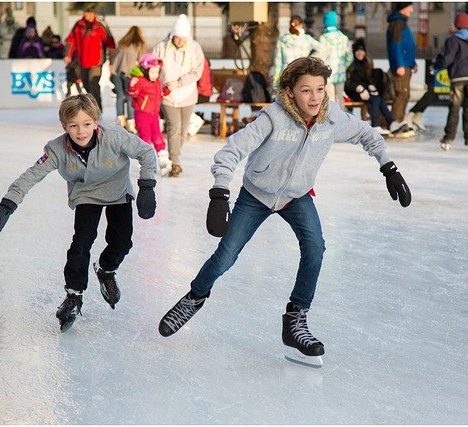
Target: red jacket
205,84
147,95
89,39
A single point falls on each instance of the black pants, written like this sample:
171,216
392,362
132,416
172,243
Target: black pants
90,78
118,237
459,99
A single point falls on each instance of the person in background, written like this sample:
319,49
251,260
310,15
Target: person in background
205,84
94,160
183,66
146,90
130,48
402,56
454,57
335,50
31,46
89,38
19,36
292,45
56,48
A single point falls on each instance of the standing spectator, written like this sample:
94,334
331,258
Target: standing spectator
292,45
335,50
205,84
89,38
56,48
46,37
402,56
31,46
130,49
455,58
183,66
19,36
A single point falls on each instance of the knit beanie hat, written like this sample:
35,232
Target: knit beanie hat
401,5
359,44
181,27
461,21
148,60
330,19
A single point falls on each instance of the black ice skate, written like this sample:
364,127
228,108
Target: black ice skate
180,314
300,345
109,289
67,312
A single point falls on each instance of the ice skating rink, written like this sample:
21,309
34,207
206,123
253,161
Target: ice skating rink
391,305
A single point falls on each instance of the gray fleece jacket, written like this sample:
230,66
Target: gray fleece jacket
285,156
104,180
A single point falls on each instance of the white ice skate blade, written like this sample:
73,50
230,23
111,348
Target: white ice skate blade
294,355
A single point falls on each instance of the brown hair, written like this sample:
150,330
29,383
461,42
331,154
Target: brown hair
301,66
134,36
72,105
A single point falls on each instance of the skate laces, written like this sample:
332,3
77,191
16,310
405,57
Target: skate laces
300,330
72,302
183,312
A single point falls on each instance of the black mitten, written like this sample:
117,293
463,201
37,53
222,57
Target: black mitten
7,207
396,185
217,217
146,199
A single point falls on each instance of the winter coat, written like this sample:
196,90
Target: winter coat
335,50
400,42
124,58
31,48
454,57
284,156
146,95
358,73
290,47
104,180
89,39
185,66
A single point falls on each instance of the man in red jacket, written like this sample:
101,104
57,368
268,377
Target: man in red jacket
88,39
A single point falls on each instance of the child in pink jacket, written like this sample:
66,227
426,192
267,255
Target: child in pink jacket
146,91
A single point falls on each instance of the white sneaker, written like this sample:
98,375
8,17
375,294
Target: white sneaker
165,164
396,126
445,144
381,130
415,121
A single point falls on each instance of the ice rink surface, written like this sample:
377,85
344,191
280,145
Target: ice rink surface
391,305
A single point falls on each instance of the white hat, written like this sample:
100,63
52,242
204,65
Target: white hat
181,27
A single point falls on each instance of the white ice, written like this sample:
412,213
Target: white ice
391,304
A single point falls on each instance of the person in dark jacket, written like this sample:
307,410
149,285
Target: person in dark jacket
402,56
455,58
56,48
361,85
19,36
31,46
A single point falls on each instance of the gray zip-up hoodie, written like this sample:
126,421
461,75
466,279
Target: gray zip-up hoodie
102,180
285,156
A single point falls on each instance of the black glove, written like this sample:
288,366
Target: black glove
7,207
396,185
217,217
146,199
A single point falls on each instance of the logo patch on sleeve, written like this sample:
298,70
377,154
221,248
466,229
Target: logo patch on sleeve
43,159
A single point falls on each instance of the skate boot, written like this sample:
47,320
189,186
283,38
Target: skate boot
300,345
109,289
165,165
71,306
122,121
131,126
180,314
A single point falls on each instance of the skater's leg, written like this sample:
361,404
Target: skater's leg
246,217
76,269
303,218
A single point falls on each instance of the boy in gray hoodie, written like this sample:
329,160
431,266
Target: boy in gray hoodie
94,160
286,145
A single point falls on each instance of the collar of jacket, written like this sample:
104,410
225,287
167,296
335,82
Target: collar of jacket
291,108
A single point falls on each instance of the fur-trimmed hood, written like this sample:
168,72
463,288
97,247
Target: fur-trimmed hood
291,108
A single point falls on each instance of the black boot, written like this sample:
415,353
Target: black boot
69,309
300,345
180,314
109,288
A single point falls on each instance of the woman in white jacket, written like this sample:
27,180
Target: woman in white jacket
183,61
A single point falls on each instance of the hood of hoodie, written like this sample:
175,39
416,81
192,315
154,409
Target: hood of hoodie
396,16
462,34
291,108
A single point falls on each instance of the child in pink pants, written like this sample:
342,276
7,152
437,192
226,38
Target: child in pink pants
146,91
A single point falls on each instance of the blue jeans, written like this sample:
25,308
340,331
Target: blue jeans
377,105
121,82
247,215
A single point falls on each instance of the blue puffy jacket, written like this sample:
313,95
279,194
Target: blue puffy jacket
400,42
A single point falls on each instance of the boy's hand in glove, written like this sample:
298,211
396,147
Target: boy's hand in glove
396,185
217,217
146,199
7,207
